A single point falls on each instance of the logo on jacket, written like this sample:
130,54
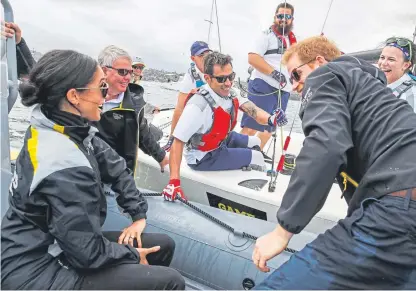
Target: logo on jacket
306,97
117,116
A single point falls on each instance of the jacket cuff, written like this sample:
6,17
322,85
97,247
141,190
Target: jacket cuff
21,43
138,216
134,251
290,228
160,155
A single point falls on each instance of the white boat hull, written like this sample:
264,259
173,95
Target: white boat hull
223,189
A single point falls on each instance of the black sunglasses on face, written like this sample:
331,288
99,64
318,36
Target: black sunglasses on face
121,72
295,75
223,79
138,67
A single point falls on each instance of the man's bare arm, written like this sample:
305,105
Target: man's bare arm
259,63
175,158
255,112
178,110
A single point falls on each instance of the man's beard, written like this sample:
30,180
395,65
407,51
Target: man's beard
284,29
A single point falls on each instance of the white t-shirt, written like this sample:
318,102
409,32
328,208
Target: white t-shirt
188,82
268,41
195,120
410,97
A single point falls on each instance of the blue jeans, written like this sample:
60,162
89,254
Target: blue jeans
267,103
231,155
374,248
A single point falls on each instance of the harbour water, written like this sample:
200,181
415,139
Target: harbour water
160,94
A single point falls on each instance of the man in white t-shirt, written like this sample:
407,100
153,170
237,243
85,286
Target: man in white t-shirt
268,75
194,78
206,125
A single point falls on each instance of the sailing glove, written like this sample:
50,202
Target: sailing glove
168,145
278,118
279,77
172,190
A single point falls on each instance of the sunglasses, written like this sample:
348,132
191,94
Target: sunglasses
103,88
282,16
295,75
121,72
403,43
136,67
223,79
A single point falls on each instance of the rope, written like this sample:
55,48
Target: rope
164,125
209,216
272,184
210,21
251,93
327,14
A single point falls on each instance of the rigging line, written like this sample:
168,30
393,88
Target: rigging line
210,21
272,184
218,25
251,93
327,14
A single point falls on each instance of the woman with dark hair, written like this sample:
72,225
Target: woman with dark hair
51,235
396,61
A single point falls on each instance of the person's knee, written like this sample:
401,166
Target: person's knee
173,280
168,243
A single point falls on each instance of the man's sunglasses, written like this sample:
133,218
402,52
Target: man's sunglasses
121,72
295,75
282,16
103,88
223,79
136,67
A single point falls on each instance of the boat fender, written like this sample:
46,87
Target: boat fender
246,169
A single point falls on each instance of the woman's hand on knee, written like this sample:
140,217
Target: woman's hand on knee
132,232
144,252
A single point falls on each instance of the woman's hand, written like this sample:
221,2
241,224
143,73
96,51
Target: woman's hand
132,232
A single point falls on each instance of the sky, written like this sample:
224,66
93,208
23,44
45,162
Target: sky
162,31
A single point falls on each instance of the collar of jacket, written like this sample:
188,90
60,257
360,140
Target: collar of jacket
71,125
133,98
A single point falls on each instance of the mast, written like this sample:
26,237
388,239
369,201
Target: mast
218,25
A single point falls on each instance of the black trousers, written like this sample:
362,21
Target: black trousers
156,276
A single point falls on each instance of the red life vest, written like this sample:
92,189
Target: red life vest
291,35
223,122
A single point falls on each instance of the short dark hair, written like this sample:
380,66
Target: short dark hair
54,75
216,58
286,5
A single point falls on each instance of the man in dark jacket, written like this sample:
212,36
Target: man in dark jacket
24,58
354,126
123,125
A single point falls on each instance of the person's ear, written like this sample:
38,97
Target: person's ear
406,66
207,78
73,97
321,60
